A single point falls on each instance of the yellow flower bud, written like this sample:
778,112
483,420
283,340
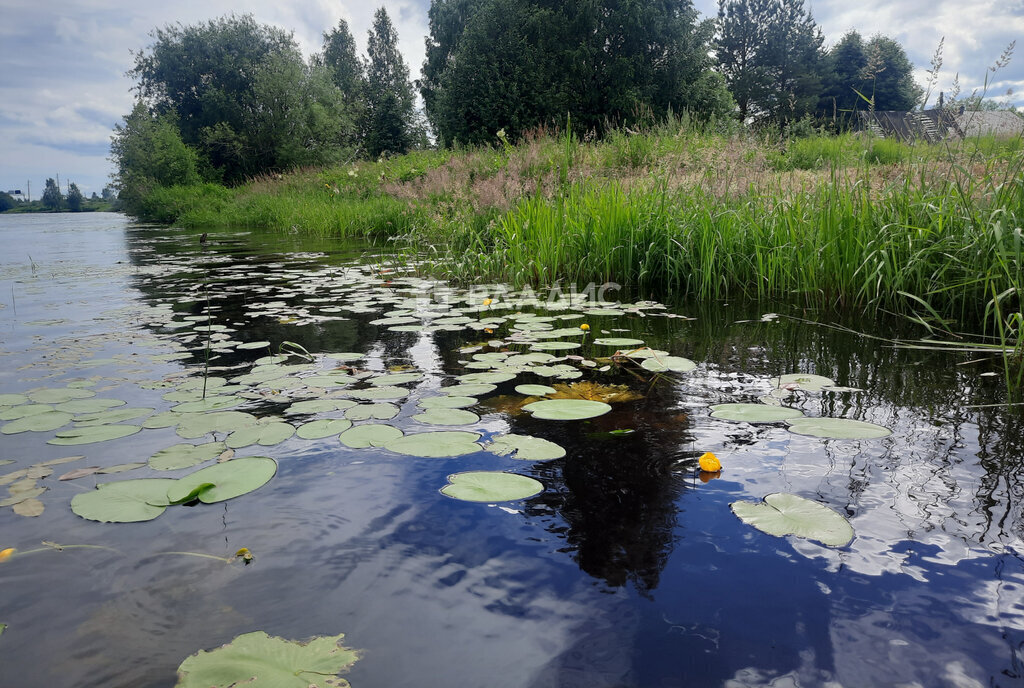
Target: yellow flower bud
7,554
709,462
487,302
584,327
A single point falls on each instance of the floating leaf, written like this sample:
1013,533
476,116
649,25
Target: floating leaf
258,660
554,346
166,419
435,445
29,507
265,433
567,409
372,411
665,364
16,412
788,514
39,422
468,390
446,416
490,486
111,416
838,428
229,480
18,496
185,455
378,393
13,399
754,413
396,379
121,468
804,381
485,378
369,435
320,406
127,501
196,425
253,345
449,402
95,405
618,341
79,473
59,395
212,403
525,447
93,433
535,390
318,429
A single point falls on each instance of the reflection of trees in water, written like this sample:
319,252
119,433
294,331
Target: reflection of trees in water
616,496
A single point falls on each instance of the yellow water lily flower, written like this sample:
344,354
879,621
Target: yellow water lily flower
709,462
7,553
245,554
488,302
584,327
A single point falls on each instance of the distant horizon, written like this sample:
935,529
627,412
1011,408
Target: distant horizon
72,58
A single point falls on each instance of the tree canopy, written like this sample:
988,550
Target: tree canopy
390,101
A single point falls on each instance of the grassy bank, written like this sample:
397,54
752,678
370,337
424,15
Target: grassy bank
927,230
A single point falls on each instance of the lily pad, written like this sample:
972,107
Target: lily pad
525,448
127,501
396,379
788,514
253,345
110,416
754,413
379,393
372,412
666,364
264,433
838,428
618,341
446,416
226,480
318,429
185,455
369,435
198,424
211,403
448,402
39,422
320,405
88,405
59,395
436,445
92,433
13,399
490,486
468,390
804,381
554,346
535,390
262,661
567,409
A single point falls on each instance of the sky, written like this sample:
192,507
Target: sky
63,62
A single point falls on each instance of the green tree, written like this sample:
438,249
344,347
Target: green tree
889,75
75,198
52,197
389,105
347,72
845,63
770,52
517,64
6,201
148,152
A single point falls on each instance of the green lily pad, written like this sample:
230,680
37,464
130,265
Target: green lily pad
211,403
198,424
525,447
167,419
372,412
535,390
485,378
838,428
554,346
185,455
258,660
13,399
94,405
446,416
567,409
110,416
59,395
320,405
369,435
263,433
618,341
436,445
396,379
92,433
468,390
447,402
788,514
666,364
804,381
755,413
318,429
127,501
490,486
39,422
253,345
378,393
228,480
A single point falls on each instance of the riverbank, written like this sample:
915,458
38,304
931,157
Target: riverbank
931,231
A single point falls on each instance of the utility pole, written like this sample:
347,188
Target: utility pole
28,185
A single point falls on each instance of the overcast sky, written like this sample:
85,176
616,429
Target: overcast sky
62,62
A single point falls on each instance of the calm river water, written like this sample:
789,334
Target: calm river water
628,569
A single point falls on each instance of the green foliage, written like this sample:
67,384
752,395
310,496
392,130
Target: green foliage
6,201
75,198
516,66
52,197
770,52
347,73
389,105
